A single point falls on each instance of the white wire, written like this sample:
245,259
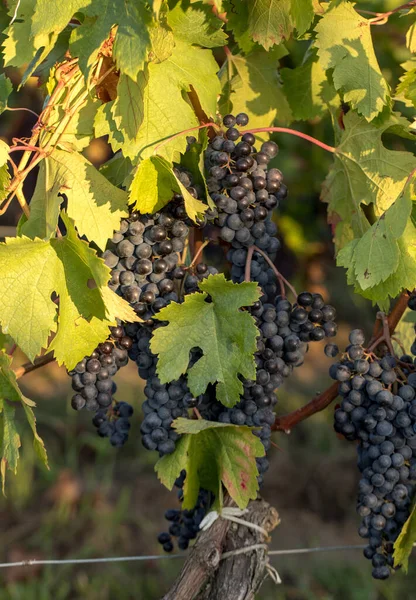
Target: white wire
84,561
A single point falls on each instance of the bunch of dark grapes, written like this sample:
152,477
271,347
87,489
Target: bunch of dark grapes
92,380
378,409
114,423
184,524
143,255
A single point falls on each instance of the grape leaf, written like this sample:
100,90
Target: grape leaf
117,169
406,90
270,22
6,89
9,441
304,88
166,111
302,15
196,25
193,161
232,451
255,89
404,277
225,334
376,254
19,46
81,128
9,436
403,546
44,205
32,270
95,205
365,172
405,332
411,34
132,39
162,42
349,52
153,186
127,109
237,23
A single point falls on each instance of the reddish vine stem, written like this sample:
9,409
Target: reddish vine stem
304,136
247,270
287,422
41,361
172,137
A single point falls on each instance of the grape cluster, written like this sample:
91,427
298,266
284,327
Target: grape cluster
164,402
184,524
114,423
92,380
378,409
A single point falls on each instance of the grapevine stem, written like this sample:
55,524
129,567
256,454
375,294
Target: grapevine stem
304,136
247,270
22,201
276,272
198,253
23,108
38,362
169,139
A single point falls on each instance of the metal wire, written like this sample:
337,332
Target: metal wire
116,559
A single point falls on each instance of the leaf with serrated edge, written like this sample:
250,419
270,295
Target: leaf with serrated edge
225,334
127,109
365,172
349,52
403,546
254,88
302,15
9,441
270,21
31,271
5,91
153,186
166,111
95,205
232,451
303,87
44,205
197,25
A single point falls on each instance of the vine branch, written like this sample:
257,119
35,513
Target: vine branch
41,361
294,132
287,422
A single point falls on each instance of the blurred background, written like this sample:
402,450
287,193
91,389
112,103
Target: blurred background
97,501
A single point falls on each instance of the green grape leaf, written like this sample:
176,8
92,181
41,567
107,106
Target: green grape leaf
349,52
404,277
225,334
44,205
4,181
376,254
162,42
232,452
403,546
95,205
406,90
305,87
405,333
117,169
254,88
193,161
81,128
20,47
364,172
270,22
4,153
132,39
196,25
9,441
6,89
237,23
153,186
9,436
33,270
302,13
128,109
166,111
411,34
